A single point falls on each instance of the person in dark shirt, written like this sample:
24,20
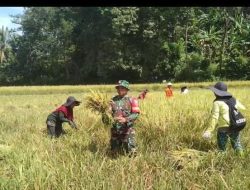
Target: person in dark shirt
62,114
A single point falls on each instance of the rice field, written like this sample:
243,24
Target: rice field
166,132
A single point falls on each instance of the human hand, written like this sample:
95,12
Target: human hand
111,103
121,119
72,124
207,135
111,106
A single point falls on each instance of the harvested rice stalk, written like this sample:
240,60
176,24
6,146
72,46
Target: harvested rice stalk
187,158
98,102
107,118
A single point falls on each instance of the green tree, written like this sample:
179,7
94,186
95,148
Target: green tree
4,35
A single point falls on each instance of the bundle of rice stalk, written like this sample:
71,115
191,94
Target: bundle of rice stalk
97,102
187,158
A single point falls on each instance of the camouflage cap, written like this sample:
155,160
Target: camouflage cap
123,83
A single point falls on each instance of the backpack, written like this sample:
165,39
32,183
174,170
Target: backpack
237,120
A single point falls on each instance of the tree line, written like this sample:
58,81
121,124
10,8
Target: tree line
84,45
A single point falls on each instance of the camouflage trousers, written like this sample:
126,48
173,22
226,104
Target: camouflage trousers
223,134
123,139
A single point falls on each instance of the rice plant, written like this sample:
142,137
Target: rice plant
171,151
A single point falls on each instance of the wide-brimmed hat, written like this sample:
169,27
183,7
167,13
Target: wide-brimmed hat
169,84
220,89
71,100
123,83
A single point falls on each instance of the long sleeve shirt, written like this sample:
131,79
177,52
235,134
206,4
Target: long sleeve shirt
122,106
220,114
131,118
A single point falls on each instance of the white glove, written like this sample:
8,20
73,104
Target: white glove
207,135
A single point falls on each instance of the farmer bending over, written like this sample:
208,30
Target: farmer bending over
221,119
62,114
184,90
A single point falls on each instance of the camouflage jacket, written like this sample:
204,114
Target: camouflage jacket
126,107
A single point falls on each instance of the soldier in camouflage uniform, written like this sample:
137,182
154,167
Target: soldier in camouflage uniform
125,111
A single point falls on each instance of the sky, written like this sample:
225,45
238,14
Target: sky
5,19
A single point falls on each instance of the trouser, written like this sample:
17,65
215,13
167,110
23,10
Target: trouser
123,138
222,137
54,130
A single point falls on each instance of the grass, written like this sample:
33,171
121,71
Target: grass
63,89
80,159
